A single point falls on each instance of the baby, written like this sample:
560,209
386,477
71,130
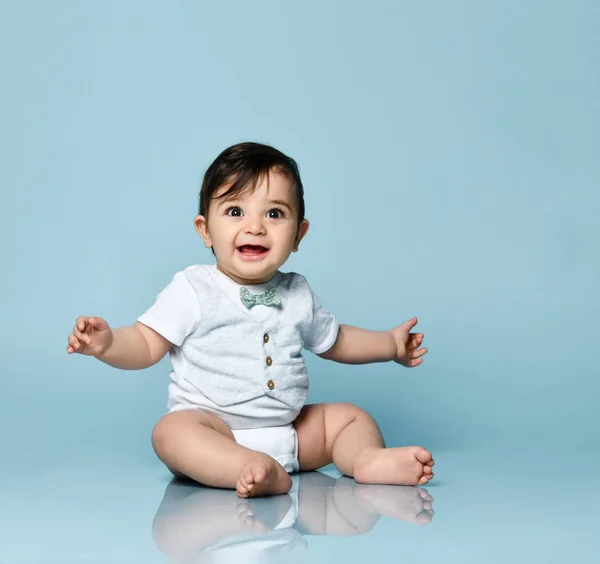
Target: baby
235,333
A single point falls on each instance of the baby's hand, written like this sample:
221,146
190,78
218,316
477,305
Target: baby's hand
91,336
407,343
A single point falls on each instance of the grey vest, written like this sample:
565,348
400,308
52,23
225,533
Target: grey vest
235,358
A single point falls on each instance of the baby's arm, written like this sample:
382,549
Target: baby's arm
360,346
135,347
130,348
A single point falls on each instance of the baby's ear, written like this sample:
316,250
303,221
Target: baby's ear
301,232
201,226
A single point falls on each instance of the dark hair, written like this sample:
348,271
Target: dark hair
243,166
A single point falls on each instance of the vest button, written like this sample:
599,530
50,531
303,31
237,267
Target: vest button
269,361
266,337
271,384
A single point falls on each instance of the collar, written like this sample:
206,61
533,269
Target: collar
232,288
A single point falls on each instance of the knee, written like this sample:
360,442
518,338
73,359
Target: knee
353,412
161,433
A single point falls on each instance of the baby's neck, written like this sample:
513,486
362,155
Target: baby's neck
246,282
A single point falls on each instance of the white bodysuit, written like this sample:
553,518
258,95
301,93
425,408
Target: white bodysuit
243,365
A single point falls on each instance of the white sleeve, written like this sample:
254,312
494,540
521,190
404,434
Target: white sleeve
324,329
176,311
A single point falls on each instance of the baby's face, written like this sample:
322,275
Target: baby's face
253,234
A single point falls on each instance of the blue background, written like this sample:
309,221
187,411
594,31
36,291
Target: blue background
449,152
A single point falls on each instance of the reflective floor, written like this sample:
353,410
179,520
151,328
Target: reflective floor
495,506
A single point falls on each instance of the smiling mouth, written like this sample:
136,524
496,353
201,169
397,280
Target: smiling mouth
252,250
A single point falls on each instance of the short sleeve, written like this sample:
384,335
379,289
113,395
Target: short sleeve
176,312
323,332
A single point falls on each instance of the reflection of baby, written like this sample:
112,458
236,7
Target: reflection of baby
235,333
216,523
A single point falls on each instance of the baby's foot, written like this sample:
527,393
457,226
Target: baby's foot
402,466
263,475
412,505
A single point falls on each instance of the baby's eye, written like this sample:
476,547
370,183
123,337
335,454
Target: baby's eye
234,212
276,213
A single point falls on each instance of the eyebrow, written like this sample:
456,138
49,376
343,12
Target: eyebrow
281,203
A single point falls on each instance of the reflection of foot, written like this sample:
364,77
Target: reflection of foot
262,476
259,516
409,504
402,466
249,521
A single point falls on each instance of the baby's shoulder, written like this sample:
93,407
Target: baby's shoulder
195,270
296,284
292,279
195,274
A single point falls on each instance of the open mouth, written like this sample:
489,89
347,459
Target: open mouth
252,251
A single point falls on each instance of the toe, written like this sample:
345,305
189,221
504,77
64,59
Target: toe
427,469
423,480
248,476
423,455
247,480
260,474
247,487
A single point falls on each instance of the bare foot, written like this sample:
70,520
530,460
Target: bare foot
402,466
261,476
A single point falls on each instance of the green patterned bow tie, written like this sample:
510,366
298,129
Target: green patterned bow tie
269,298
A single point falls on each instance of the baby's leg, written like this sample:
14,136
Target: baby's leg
349,437
199,445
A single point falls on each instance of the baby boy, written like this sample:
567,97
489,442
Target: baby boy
235,332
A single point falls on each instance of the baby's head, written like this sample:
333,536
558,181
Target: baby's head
251,211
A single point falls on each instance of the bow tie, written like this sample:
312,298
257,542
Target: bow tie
269,298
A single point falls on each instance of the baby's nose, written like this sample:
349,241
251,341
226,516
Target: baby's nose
255,225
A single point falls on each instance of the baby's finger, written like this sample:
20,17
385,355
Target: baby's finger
82,322
98,323
418,353
83,337
415,340
74,342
